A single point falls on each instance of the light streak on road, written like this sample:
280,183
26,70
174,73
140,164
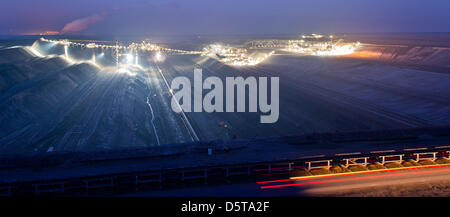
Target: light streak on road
352,179
353,173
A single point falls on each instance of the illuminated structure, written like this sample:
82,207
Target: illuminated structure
246,55
320,45
234,56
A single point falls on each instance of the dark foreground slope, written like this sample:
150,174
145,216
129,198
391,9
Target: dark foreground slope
51,104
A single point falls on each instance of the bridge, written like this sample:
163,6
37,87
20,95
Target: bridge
144,46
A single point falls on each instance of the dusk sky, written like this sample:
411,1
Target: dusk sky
222,17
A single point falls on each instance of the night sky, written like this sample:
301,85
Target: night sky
235,17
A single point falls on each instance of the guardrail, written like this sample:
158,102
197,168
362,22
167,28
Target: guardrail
390,160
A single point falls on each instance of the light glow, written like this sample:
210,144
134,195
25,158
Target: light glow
319,45
234,56
352,179
158,57
129,58
314,44
352,173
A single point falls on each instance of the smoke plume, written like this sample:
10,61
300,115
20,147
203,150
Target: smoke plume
82,23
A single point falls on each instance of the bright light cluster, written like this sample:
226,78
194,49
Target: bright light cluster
314,36
159,57
337,50
88,45
320,45
234,56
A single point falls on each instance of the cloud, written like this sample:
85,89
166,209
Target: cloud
82,23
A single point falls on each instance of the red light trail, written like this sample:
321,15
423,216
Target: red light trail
350,179
353,173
